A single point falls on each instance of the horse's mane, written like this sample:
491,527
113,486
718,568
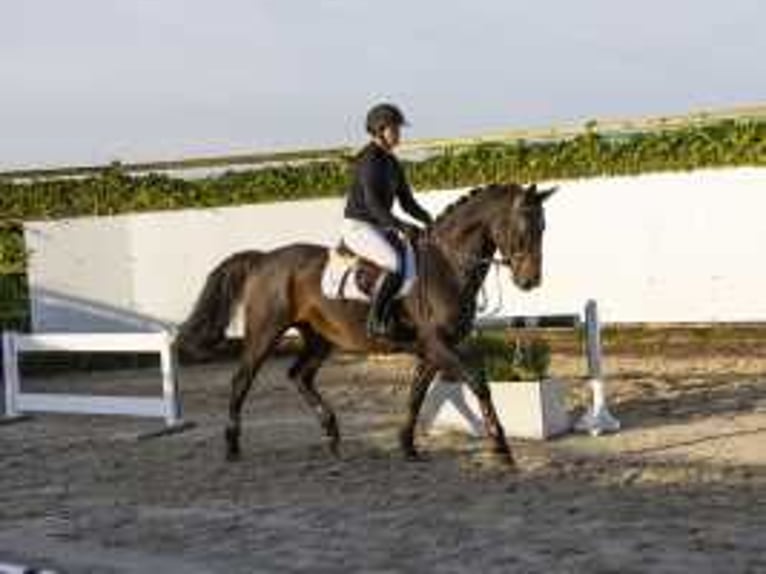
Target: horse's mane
467,197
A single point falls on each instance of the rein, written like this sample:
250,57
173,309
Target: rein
478,295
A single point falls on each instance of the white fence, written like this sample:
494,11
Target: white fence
19,403
681,247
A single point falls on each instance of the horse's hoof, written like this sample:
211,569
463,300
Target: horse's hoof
233,456
415,456
503,455
507,460
333,447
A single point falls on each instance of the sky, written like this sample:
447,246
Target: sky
93,81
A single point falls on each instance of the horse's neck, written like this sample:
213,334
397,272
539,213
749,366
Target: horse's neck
469,254
462,233
462,236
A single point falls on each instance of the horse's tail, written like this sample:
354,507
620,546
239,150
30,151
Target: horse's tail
205,329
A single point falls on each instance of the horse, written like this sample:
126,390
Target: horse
280,289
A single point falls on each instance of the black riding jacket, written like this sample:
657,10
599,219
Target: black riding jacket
378,178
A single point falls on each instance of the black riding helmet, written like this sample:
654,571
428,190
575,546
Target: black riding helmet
383,115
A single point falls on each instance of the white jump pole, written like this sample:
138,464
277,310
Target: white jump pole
598,419
6,568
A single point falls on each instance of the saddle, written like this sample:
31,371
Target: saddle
350,276
362,271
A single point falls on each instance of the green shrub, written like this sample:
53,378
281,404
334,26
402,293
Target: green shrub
497,357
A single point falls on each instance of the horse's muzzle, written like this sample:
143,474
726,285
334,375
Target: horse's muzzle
528,283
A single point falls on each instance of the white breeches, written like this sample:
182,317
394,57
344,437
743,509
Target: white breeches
368,241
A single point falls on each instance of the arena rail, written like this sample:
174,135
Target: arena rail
18,403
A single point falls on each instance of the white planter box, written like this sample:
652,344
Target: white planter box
527,409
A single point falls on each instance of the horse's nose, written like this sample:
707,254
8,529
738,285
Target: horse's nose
528,283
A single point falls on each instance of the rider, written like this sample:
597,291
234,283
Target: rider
378,178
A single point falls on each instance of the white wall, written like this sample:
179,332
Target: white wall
665,247
133,271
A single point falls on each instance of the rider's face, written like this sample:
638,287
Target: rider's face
390,136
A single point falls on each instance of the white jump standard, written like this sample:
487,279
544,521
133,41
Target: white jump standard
19,403
598,419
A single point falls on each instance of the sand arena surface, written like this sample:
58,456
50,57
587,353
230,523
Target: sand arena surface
681,489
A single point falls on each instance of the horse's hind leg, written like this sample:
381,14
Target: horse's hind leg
258,344
303,372
424,374
240,385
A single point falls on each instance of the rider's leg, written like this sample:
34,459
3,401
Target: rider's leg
370,242
379,319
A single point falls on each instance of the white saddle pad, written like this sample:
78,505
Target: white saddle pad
338,277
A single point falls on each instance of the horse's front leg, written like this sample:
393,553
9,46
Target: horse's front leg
424,374
447,360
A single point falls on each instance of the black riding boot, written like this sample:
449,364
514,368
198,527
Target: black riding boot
379,319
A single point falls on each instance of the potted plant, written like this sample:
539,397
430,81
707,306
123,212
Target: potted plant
528,402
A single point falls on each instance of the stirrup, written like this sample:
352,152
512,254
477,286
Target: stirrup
377,327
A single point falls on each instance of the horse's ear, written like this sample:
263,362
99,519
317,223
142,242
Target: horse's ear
532,188
546,193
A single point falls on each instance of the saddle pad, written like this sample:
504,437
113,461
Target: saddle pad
339,276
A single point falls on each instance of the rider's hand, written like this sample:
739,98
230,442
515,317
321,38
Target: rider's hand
411,231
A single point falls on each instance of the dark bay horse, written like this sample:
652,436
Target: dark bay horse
280,289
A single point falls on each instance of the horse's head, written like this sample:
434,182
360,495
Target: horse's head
518,233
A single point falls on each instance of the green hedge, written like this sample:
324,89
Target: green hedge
497,356
725,143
